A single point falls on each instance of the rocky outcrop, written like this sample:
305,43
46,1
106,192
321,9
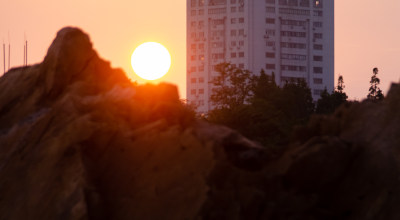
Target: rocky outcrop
78,140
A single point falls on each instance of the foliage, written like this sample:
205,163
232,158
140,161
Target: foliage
232,86
259,108
328,103
375,93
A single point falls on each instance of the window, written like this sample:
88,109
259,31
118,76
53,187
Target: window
201,24
317,3
233,55
270,32
201,91
318,91
233,20
233,1
241,32
241,20
270,21
216,11
233,32
201,12
193,24
241,54
193,3
270,43
293,34
318,70
201,79
270,9
292,11
293,22
193,92
305,3
241,9
193,69
241,43
270,66
241,65
270,1
193,80
294,68
317,24
292,3
283,2
218,56
233,9
318,47
293,45
318,58
192,58
317,81
201,69
270,55
201,46
193,12
201,57
285,56
201,2
217,2
233,43
193,46
318,13
318,35
201,34
218,21
217,44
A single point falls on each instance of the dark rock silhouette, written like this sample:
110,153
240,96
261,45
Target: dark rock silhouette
79,141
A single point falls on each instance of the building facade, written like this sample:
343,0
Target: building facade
292,38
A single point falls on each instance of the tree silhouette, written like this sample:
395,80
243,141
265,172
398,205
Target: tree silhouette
231,88
340,87
375,93
328,103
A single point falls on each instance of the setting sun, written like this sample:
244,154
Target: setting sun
151,60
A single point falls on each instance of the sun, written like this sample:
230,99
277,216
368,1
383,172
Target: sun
151,61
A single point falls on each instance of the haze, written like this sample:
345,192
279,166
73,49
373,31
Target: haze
367,34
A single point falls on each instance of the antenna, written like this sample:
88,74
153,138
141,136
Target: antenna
9,51
26,57
4,56
9,55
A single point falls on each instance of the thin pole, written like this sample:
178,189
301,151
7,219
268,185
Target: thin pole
4,56
9,56
26,54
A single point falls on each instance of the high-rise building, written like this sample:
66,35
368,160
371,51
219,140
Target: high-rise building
292,38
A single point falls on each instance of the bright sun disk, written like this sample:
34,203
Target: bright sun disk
151,60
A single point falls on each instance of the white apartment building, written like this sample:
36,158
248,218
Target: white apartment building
292,38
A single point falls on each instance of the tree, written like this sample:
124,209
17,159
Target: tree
328,103
375,93
340,87
296,101
257,107
231,88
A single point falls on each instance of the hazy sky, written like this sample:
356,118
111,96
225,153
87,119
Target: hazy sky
367,34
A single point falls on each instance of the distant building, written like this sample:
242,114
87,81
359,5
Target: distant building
292,38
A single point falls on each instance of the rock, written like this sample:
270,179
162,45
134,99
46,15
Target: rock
78,140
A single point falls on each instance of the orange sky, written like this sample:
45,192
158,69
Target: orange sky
367,34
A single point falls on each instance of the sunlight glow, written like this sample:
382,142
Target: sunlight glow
151,61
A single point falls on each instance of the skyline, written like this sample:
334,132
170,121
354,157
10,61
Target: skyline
365,35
